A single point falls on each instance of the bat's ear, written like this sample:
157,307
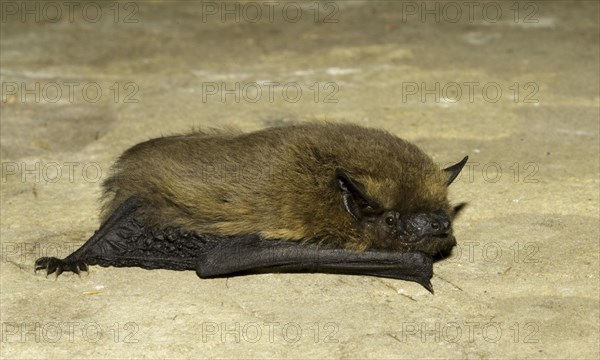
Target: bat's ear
356,200
457,209
454,170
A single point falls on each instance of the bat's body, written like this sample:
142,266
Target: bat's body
327,198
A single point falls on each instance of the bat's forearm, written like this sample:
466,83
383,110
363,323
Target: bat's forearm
251,254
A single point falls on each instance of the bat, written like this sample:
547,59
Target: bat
316,197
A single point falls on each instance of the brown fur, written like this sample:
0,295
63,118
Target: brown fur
277,182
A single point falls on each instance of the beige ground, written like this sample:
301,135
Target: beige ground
523,281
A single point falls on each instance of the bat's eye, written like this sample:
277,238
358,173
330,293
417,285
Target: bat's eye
390,220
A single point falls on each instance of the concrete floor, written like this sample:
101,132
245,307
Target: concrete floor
514,87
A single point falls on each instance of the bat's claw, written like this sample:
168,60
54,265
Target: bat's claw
58,266
427,285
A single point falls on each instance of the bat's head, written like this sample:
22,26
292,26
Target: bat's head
418,218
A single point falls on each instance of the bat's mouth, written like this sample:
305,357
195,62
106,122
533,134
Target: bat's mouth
431,244
413,241
416,240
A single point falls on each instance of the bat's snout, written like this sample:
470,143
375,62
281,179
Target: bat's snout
426,224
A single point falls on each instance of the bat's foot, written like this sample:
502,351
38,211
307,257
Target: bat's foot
58,266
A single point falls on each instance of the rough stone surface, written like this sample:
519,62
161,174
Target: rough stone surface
524,280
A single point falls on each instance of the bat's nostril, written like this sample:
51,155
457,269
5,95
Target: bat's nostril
447,225
435,225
